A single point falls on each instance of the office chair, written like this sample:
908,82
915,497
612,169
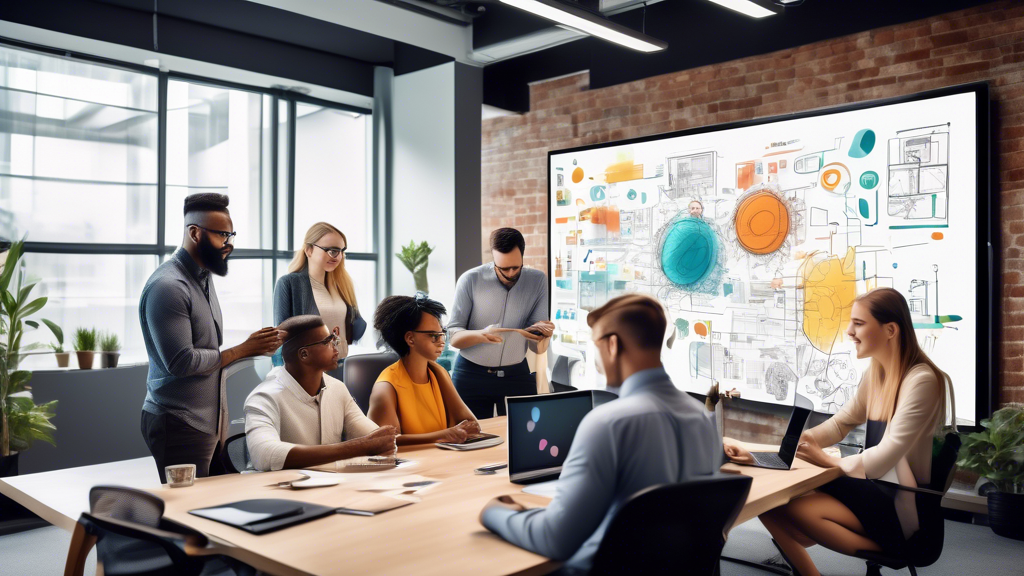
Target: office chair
361,372
132,537
662,529
924,547
235,455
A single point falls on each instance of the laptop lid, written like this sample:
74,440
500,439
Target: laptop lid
540,431
797,424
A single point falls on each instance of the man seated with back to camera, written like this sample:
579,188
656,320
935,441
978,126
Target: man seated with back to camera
653,434
300,416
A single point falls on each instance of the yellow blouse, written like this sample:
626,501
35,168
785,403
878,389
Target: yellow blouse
420,406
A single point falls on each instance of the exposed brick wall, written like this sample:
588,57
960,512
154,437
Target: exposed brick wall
982,43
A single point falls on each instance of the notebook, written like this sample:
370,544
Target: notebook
264,515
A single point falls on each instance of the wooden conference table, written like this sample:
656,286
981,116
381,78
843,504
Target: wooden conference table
438,535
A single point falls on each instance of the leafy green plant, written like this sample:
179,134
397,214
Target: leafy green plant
997,451
58,333
22,421
109,342
85,339
414,257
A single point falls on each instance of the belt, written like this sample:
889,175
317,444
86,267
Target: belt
520,369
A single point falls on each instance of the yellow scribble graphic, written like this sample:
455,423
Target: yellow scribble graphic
830,286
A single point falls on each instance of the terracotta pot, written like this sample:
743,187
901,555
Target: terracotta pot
1006,514
62,359
85,358
109,359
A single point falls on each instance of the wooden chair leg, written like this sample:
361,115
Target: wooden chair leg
81,543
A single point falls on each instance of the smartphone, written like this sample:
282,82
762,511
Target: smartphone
535,331
491,468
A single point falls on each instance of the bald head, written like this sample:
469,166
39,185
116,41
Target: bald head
637,319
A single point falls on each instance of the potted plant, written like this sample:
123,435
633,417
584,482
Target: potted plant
111,350
997,453
415,259
85,346
22,421
58,348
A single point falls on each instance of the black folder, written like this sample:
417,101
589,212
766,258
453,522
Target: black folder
264,515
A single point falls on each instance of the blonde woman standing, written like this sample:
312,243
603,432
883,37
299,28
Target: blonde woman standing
317,283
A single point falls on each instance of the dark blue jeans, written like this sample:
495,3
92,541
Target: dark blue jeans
482,388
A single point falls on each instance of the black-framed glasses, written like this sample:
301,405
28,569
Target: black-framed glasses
508,269
332,251
332,339
227,236
435,337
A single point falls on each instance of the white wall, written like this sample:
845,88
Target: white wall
423,177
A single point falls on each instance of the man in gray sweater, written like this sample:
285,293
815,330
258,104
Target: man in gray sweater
184,417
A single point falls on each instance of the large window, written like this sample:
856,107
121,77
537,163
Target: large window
96,160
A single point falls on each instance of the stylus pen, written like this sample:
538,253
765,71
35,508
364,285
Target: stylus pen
354,512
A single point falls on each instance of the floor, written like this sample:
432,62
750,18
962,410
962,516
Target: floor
969,550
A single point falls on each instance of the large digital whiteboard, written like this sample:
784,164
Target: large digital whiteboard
758,236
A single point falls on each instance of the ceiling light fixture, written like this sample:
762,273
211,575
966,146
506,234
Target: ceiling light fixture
590,23
748,7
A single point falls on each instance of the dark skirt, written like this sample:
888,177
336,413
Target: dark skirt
874,506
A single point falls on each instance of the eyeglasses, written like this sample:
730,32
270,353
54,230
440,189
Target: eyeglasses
332,252
227,236
435,337
332,339
508,269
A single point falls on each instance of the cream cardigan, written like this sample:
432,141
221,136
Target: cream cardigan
904,454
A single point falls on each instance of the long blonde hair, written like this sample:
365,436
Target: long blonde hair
888,305
339,280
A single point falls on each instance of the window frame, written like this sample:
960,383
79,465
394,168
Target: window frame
282,201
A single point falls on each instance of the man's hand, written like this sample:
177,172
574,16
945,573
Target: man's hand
539,331
503,502
491,333
263,342
381,441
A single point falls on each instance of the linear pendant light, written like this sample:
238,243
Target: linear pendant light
747,7
584,21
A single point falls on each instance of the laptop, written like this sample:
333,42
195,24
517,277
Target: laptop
540,432
783,459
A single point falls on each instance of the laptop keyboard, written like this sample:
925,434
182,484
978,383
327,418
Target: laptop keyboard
769,460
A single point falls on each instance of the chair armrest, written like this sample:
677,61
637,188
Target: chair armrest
910,489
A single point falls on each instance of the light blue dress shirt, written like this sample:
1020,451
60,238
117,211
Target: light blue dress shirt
653,434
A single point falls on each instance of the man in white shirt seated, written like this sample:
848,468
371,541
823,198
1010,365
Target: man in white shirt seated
299,416
653,434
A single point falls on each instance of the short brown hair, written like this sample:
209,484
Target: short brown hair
638,318
505,239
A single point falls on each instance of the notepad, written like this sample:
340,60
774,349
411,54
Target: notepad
263,515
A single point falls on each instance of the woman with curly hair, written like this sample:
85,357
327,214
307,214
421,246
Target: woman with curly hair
415,394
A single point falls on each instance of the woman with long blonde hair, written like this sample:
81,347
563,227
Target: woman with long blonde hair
317,283
902,400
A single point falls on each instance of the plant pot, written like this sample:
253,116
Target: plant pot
62,359
85,359
109,359
1006,514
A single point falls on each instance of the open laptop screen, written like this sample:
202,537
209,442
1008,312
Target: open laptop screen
540,432
797,424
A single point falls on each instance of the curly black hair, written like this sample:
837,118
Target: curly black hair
397,315
206,202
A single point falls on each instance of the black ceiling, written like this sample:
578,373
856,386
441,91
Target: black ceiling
698,33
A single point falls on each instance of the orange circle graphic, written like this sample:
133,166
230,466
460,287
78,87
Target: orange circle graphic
701,329
830,179
937,236
577,175
762,222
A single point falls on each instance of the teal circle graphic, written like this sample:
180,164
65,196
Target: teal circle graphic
863,143
597,193
631,194
690,251
869,180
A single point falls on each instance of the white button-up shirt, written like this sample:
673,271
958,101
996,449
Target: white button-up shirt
280,414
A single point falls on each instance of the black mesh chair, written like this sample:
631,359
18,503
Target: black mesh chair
924,547
361,372
672,528
132,537
235,455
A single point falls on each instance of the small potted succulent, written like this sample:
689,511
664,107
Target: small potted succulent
85,347
110,346
58,348
996,452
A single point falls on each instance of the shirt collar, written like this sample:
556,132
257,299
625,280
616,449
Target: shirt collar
198,274
642,379
293,385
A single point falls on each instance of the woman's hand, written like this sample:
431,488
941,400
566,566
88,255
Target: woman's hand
455,435
809,451
737,453
469,426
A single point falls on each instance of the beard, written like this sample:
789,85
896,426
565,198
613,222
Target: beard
211,258
511,280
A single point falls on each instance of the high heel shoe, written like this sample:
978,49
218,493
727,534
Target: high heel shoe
786,558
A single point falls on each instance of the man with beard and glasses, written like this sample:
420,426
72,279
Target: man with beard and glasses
184,417
500,310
